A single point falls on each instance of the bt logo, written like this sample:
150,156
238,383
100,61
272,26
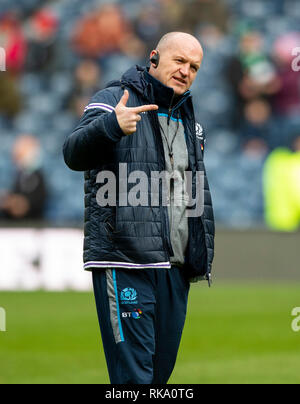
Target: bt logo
136,314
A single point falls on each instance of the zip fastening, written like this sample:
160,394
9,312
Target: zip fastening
171,109
172,191
167,238
172,188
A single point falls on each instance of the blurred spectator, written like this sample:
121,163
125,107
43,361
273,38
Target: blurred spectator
27,198
251,74
148,26
282,188
13,41
256,130
287,99
87,81
198,12
41,34
171,14
10,100
255,148
211,37
101,32
132,47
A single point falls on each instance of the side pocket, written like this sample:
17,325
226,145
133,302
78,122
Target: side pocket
110,223
109,226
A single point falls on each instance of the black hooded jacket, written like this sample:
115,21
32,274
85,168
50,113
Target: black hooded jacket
121,235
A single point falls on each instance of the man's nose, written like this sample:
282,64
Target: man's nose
184,70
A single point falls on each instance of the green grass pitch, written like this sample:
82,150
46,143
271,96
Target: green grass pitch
234,333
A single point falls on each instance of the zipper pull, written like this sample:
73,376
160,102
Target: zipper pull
171,108
169,116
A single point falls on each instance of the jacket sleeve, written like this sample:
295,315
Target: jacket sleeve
97,130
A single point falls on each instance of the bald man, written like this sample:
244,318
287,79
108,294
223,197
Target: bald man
138,142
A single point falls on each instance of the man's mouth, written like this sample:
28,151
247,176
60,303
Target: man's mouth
179,80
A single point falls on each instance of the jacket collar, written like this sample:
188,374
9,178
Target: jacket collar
164,96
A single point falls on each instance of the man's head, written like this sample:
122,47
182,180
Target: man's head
180,57
26,151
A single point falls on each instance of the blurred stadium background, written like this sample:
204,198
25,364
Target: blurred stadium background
57,55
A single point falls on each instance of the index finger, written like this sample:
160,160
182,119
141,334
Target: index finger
144,108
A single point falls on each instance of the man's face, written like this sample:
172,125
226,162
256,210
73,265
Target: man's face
178,66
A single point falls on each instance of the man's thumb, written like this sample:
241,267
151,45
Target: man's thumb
125,98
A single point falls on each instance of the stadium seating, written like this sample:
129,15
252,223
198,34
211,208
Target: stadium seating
235,177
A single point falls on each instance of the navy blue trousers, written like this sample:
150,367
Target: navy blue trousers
141,315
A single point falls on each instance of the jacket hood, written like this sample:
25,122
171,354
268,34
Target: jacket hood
134,79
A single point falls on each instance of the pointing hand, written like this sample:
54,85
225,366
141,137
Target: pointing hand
129,117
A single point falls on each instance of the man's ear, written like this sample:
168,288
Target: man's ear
155,59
